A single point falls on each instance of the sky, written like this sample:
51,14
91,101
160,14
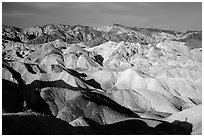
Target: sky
180,16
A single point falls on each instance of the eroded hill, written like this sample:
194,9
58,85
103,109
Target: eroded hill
107,80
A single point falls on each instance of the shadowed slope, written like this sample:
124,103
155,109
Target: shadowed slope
103,100
36,124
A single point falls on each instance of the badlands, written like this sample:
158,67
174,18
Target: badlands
119,80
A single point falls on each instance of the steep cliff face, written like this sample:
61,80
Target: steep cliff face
113,77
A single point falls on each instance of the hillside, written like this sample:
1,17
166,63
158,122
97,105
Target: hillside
63,79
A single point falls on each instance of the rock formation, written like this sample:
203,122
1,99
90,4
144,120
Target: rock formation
63,79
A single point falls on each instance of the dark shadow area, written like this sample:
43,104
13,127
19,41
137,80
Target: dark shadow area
29,68
93,83
105,101
176,127
18,54
99,59
49,125
34,125
75,73
37,103
12,100
57,84
14,95
139,127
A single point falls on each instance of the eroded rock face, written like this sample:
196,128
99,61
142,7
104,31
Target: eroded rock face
101,78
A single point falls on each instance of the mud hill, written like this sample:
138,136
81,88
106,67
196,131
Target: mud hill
107,80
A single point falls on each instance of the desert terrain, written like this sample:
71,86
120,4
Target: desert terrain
64,79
